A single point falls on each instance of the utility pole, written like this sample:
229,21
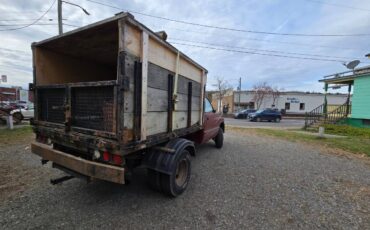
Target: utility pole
240,89
60,14
60,17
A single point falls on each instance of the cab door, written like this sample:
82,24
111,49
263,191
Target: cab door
210,122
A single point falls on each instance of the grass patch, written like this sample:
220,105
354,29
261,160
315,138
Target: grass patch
347,130
17,134
354,144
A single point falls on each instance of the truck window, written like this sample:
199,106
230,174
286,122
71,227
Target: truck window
207,106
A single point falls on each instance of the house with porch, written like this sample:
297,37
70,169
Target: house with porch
356,110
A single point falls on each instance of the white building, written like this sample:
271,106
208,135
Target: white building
292,102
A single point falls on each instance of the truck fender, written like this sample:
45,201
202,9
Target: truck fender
163,161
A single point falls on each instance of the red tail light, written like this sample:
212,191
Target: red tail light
117,159
106,156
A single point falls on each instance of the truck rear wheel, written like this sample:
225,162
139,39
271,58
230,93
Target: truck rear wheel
17,117
219,139
175,183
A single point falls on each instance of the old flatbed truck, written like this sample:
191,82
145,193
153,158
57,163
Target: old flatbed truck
112,96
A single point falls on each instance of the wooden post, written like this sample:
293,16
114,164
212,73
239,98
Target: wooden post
174,95
202,95
348,99
144,85
9,122
325,109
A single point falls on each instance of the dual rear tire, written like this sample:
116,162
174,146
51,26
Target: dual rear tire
176,182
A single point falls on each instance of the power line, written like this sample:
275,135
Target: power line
39,24
263,54
25,19
70,25
263,50
226,28
338,5
272,41
34,22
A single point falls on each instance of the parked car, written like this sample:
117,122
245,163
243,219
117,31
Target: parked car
244,113
23,113
265,115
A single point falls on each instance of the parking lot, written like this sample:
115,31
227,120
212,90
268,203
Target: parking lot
283,124
252,183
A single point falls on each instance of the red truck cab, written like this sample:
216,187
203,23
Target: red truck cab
213,126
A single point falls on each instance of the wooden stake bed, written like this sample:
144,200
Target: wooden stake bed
115,81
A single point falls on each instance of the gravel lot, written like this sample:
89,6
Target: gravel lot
283,124
252,182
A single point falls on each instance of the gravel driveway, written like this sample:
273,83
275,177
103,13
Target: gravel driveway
253,182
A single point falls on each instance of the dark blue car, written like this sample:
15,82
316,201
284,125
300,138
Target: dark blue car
265,115
244,113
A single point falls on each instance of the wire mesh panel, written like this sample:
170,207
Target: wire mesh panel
51,103
92,107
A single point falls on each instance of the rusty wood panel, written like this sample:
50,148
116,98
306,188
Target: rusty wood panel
89,168
127,110
137,101
127,135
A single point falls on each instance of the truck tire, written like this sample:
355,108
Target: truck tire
219,139
175,183
17,117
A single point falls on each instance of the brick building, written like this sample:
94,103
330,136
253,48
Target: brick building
8,94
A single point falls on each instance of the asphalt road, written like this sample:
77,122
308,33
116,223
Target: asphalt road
252,183
283,124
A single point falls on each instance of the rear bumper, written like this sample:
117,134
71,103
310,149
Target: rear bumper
85,167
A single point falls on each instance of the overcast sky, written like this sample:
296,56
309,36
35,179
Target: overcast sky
278,16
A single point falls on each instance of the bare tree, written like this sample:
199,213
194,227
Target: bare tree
222,87
275,94
261,91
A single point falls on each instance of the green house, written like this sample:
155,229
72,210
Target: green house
356,111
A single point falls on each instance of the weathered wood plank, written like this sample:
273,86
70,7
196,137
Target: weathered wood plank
182,103
183,86
157,100
156,122
144,72
181,119
158,77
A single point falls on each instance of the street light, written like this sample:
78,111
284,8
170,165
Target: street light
60,23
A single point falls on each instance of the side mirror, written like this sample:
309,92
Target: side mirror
31,87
